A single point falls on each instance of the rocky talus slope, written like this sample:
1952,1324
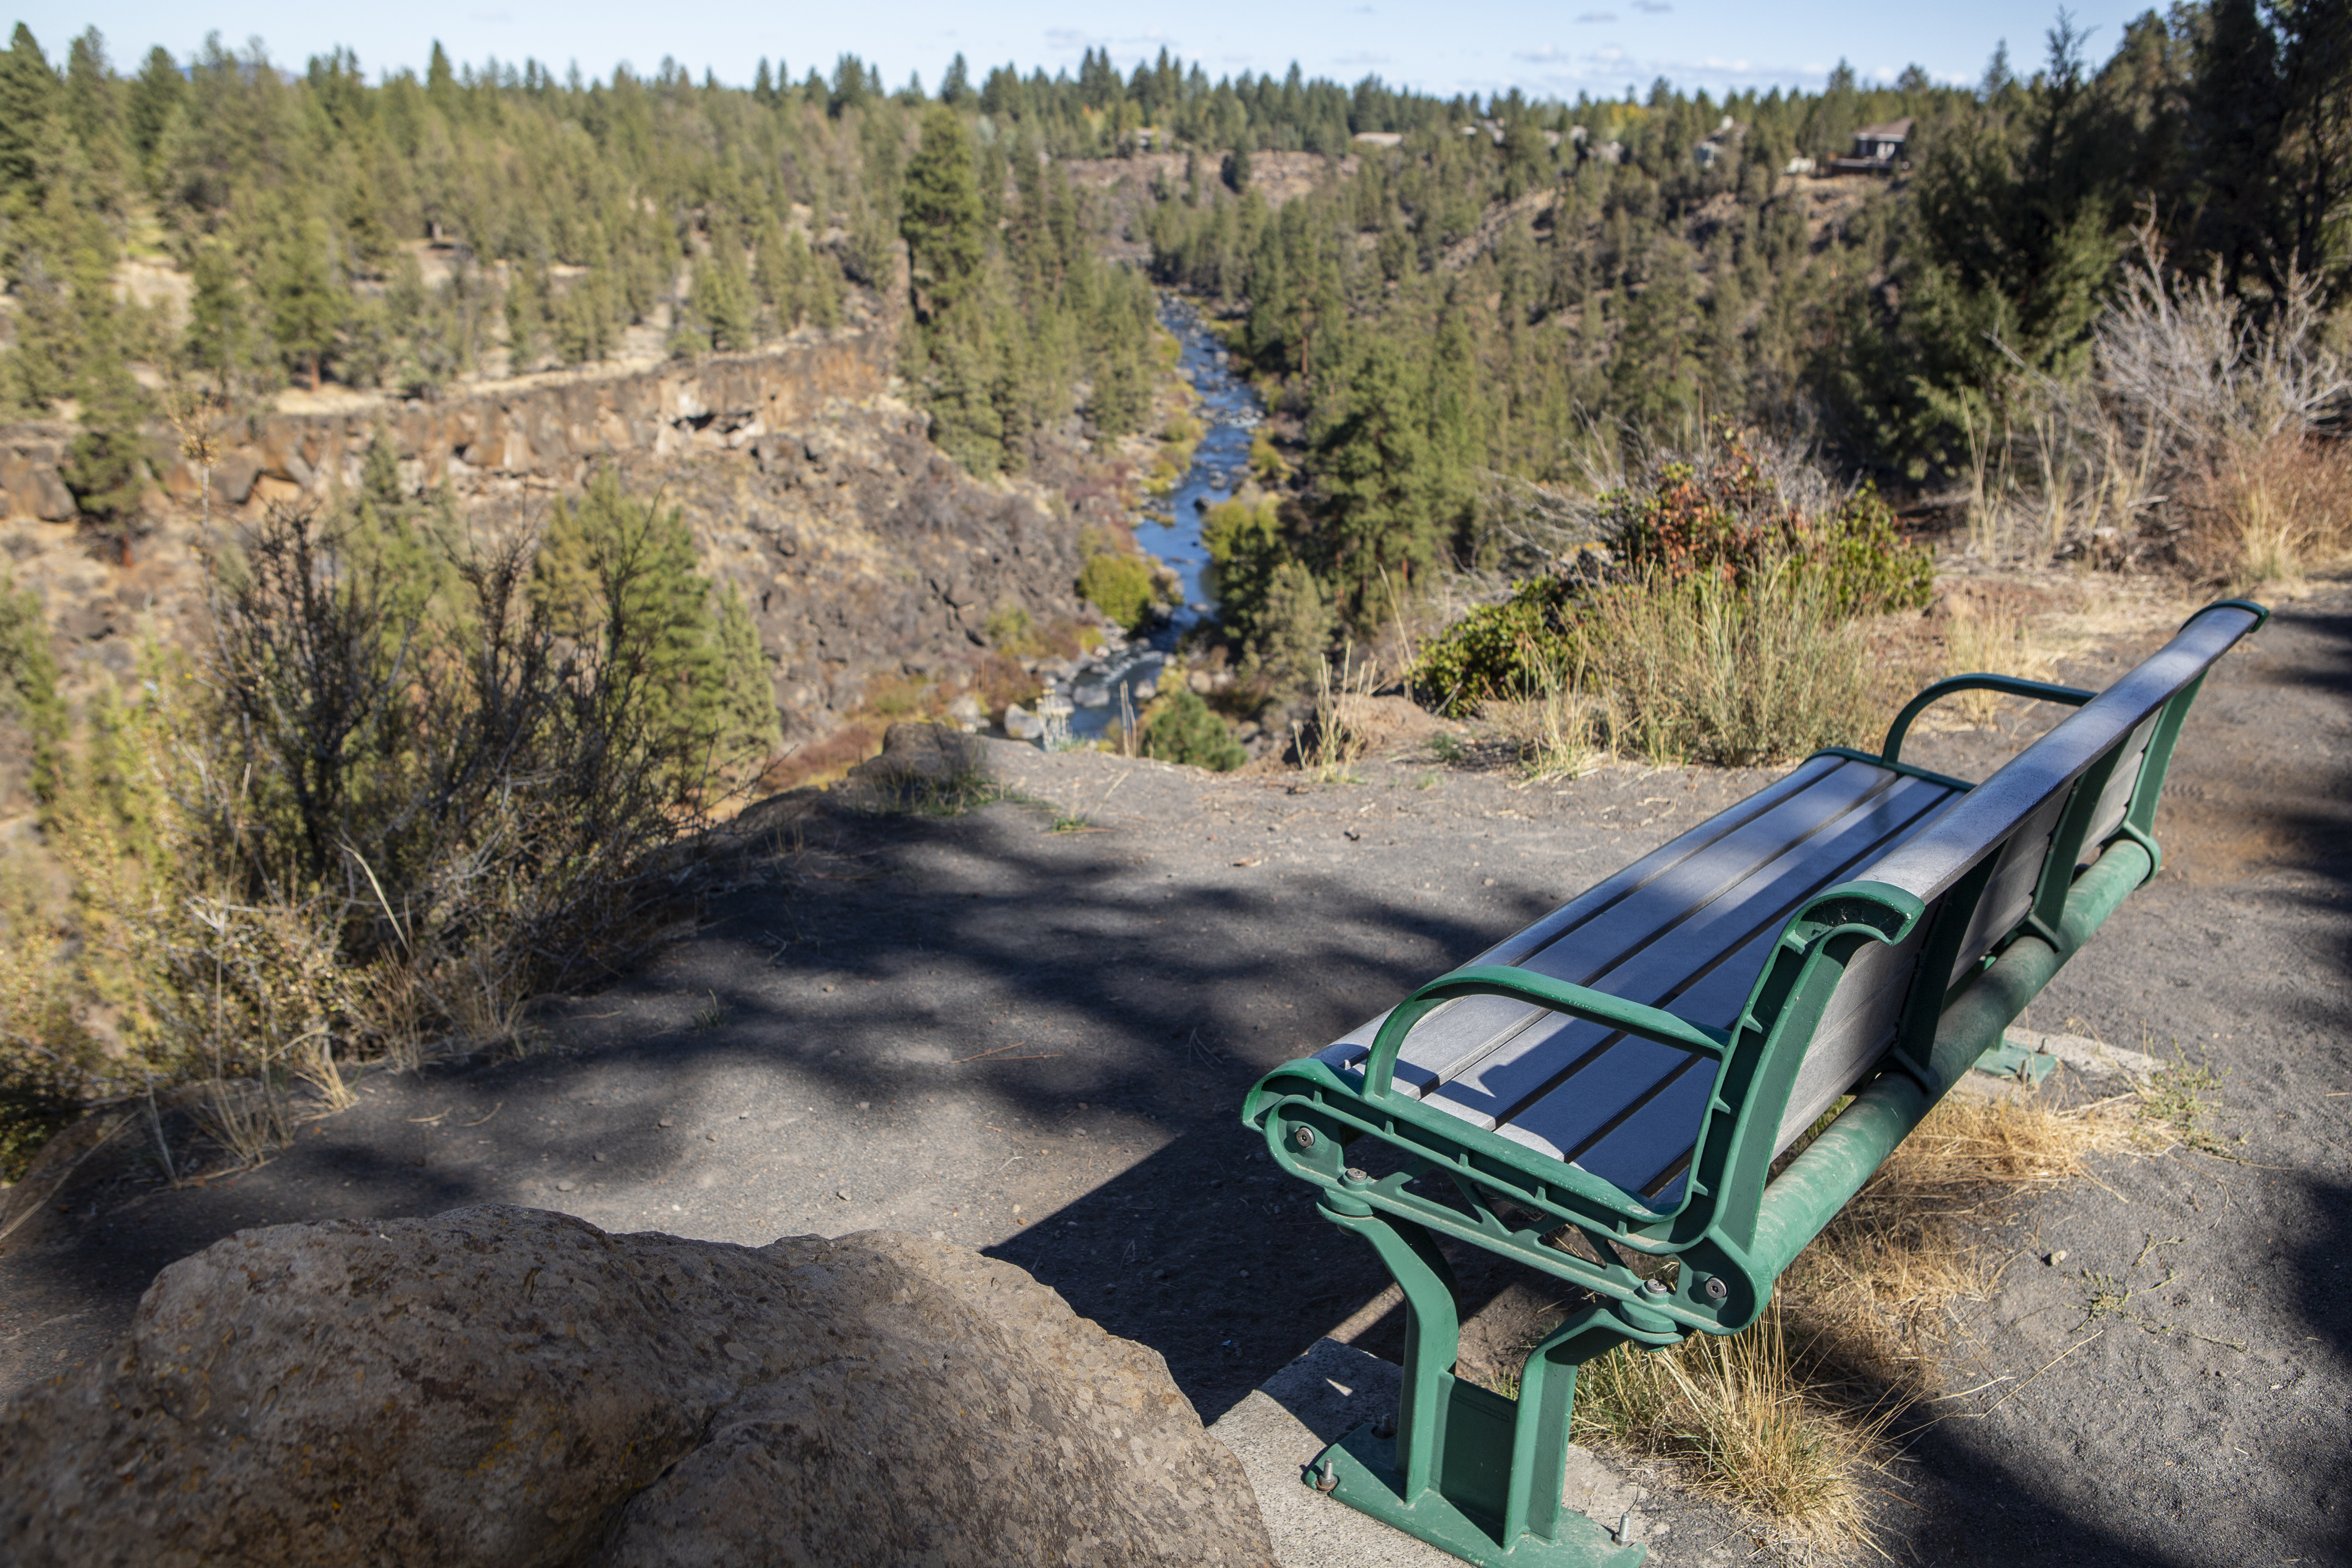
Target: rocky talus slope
861,549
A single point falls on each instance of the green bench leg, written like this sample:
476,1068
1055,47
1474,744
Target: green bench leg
1467,1470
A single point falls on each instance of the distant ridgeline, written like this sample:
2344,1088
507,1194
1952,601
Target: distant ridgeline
1505,288
1549,291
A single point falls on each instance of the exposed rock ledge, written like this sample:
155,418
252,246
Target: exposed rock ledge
507,1386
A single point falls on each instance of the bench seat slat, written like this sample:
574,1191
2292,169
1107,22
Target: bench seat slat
1701,968
1697,870
1604,894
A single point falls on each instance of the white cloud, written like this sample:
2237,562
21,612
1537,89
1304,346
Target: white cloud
1361,57
1544,54
1592,16
1608,55
1652,8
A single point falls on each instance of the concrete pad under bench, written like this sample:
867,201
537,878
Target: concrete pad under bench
1319,1398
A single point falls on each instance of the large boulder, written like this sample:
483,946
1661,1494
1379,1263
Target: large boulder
505,1386
919,765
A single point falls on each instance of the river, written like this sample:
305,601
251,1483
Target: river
1230,411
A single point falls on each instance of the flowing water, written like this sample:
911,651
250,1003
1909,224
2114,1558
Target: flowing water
1230,412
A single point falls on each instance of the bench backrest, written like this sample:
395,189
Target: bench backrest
1867,968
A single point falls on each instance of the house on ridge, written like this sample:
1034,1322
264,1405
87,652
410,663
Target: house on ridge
1877,149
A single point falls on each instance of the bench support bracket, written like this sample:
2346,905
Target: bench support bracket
1467,1470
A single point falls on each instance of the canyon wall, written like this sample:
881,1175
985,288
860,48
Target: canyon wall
861,549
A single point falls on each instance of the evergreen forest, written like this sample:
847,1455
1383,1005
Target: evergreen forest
1480,295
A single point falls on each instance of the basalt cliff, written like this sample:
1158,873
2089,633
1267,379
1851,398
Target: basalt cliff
863,550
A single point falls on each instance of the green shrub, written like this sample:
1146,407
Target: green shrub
1501,651
1120,587
1871,568
1178,728
1722,519
1726,516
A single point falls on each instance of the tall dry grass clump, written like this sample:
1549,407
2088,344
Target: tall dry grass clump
2269,511
1992,636
1795,1418
1704,669
1327,745
1719,622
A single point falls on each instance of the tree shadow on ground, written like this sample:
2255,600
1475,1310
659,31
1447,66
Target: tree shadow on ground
1152,990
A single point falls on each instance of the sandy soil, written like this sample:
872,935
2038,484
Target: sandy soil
1036,1041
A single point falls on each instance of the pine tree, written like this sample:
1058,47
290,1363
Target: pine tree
1371,467
1293,628
305,298
720,299
2236,109
28,96
106,465
527,315
93,109
155,98
619,577
940,218
750,729
28,687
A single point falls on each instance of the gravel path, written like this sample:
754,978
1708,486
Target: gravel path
1028,1029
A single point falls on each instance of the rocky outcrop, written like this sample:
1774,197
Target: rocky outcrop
504,1386
918,762
533,433
863,551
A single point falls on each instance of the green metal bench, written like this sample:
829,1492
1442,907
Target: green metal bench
1625,1072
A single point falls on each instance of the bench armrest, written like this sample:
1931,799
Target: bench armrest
2007,685
1558,996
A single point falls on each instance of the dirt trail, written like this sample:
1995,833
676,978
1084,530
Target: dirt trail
1034,1041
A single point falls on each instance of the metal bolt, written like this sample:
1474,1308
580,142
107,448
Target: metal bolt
1654,1286
1717,1289
1386,1425
1304,1138
1355,1174
1327,1478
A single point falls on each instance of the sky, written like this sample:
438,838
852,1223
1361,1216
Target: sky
1599,47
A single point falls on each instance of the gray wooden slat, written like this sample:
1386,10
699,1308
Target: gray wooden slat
1855,1030
1601,895
1655,1139
2115,799
1663,970
1564,1119
1637,902
2010,895
1720,875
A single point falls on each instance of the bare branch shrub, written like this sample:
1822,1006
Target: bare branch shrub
2152,451
370,825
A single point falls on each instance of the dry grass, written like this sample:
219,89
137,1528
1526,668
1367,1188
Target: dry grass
1995,638
1328,746
1739,1418
2272,513
1697,669
2186,383
1795,1419
1553,730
